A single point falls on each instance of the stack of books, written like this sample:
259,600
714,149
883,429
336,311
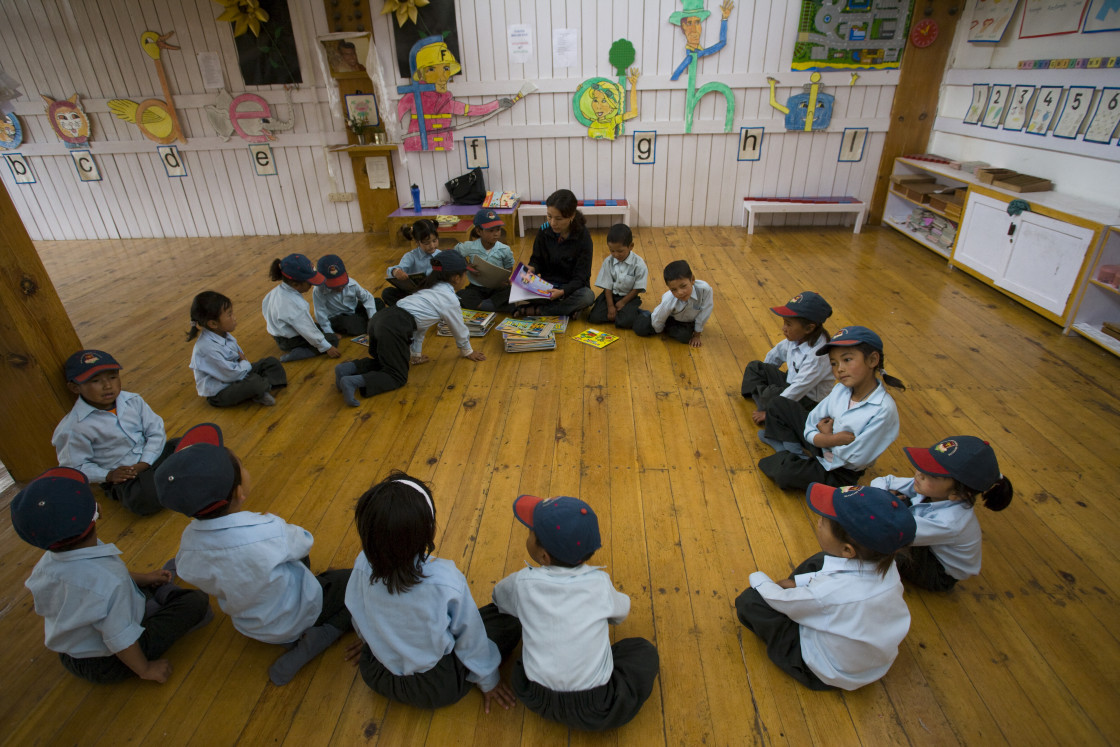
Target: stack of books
478,323
524,335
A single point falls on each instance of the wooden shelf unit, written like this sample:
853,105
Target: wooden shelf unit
1099,302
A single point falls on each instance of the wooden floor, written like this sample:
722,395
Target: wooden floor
656,437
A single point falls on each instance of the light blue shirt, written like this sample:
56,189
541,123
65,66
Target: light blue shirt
415,262
217,362
622,277
696,308
564,613
251,563
807,374
949,528
428,306
851,619
345,300
98,441
874,422
88,601
499,254
287,314
409,633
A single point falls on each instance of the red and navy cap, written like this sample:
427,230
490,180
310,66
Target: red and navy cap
487,218
966,459
851,336
56,509
566,527
331,267
806,305
197,479
298,267
86,363
873,517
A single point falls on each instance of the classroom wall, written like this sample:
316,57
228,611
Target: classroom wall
58,47
1086,170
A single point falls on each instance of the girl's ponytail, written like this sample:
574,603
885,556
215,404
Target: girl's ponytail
274,273
997,497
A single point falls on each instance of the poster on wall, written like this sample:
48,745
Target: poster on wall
869,34
976,108
1074,111
266,47
997,104
1044,107
437,18
1105,118
990,19
1051,17
1017,110
1103,15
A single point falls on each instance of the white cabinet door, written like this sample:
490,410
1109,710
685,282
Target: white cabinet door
983,243
1045,261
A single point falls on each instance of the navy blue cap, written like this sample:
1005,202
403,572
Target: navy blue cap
298,267
873,517
566,527
333,270
850,336
449,260
86,363
487,218
806,305
56,509
198,478
966,459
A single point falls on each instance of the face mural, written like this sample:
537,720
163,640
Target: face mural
68,120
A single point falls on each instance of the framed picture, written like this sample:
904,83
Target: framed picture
360,105
1017,109
345,56
750,143
1045,104
1073,112
1105,118
997,105
979,99
851,145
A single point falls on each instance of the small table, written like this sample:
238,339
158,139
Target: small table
754,205
406,216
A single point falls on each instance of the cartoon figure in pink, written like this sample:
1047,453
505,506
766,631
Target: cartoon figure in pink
427,102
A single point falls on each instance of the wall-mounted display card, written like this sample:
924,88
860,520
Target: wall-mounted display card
997,105
852,144
1017,109
520,42
172,161
564,47
990,19
1051,17
1045,104
979,99
86,166
1074,111
263,162
21,170
750,143
1105,118
645,148
1103,15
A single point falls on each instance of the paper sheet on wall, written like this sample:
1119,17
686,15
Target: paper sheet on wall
211,66
520,43
563,47
990,19
1051,17
377,168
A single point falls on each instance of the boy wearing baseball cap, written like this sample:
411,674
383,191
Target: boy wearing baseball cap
113,437
839,618
569,671
287,315
340,302
485,245
106,623
257,565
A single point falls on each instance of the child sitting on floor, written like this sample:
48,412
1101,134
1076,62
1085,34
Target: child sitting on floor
684,308
106,623
838,620
340,302
569,671
287,315
485,245
622,277
418,261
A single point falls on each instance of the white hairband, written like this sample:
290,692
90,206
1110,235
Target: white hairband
421,491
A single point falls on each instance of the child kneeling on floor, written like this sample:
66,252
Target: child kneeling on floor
838,620
569,671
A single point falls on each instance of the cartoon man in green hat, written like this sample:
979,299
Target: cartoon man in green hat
691,19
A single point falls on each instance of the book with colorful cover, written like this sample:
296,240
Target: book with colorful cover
361,340
523,344
595,338
559,323
525,286
478,323
525,328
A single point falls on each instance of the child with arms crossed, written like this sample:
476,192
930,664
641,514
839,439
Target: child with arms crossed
622,277
847,431
941,494
569,672
684,308
422,641
838,620
221,373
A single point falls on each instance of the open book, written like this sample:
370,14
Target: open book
526,286
489,275
408,285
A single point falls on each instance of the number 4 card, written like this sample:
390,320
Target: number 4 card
1105,119
1044,107
1074,111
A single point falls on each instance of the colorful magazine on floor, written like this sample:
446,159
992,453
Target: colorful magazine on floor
595,338
559,323
525,328
523,344
478,323
361,340
525,286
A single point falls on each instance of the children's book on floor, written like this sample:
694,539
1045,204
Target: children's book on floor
523,344
525,328
526,286
361,340
595,338
478,323
559,323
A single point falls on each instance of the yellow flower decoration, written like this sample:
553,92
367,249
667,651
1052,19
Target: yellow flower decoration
245,15
406,10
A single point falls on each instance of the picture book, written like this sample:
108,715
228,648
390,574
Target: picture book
478,323
526,286
361,340
523,344
525,328
489,275
595,338
559,323
408,285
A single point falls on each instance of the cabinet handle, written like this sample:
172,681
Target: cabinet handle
1011,230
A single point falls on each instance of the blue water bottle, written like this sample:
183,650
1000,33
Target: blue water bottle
415,198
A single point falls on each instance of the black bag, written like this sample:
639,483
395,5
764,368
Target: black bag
468,189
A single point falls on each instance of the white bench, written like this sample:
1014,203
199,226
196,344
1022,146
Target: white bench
621,208
752,206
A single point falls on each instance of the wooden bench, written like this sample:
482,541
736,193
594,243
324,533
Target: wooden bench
752,206
620,208
406,216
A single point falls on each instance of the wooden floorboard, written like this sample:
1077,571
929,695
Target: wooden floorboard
656,437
